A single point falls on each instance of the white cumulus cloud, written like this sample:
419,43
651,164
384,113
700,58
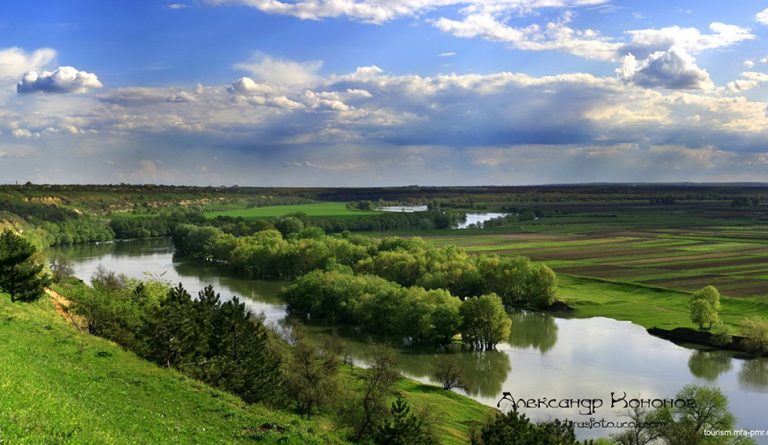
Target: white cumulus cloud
762,16
65,79
646,41
673,69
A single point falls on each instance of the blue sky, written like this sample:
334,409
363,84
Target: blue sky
371,92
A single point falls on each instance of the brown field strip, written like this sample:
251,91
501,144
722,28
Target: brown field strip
728,285
724,262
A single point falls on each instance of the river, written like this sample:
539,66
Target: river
545,357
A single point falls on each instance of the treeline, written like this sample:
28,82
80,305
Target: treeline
384,222
389,221
75,231
160,224
407,262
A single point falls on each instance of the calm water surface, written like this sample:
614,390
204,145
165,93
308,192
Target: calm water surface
544,357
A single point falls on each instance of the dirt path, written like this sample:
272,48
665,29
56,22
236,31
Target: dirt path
61,303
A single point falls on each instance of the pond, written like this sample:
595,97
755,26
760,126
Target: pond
544,357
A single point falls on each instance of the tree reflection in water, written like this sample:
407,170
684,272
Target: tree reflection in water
754,374
485,372
533,330
708,365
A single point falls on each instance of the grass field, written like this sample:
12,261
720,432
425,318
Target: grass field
335,209
61,386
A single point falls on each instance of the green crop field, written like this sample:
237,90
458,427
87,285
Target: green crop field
335,209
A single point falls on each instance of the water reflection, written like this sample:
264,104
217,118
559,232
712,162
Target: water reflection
132,248
486,372
533,330
708,365
754,374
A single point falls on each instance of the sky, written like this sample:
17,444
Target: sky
383,92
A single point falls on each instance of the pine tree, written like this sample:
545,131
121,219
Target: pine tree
170,332
20,275
403,427
248,366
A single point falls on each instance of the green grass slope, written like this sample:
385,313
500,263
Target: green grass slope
62,386
58,385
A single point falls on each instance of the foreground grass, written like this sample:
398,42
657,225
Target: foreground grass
59,385
321,209
62,386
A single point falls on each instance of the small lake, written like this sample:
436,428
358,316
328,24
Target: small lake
544,357
473,219
477,219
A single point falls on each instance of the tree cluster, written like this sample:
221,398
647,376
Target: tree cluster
220,343
378,306
409,262
75,231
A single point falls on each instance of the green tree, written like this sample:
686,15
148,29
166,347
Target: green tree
363,407
311,372
403,427
684,424
20,274
704,306
485,322
541,286
755,333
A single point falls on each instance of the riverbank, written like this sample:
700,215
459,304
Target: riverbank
682,336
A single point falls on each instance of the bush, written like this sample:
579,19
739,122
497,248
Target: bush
755,333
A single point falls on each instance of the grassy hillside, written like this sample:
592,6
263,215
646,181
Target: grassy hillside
63,386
